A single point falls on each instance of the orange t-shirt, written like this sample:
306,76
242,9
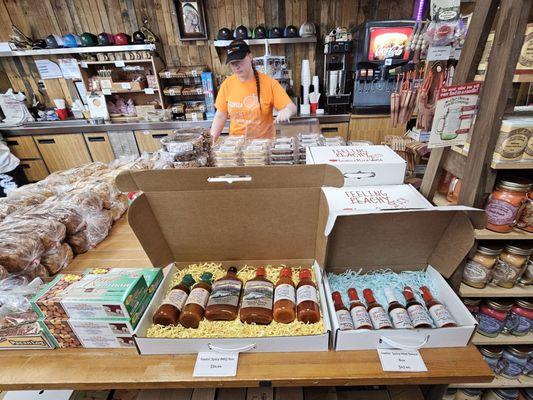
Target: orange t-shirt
239,100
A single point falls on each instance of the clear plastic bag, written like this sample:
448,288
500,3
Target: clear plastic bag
57,259
119,206
50,232
6,207
3,273
96,229
70,215
19,253
15,306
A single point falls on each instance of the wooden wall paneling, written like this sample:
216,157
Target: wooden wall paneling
5,22
230,15
17,17
62,18
245,13
237,15
260,12
165,14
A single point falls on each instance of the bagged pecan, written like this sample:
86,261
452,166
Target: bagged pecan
57,259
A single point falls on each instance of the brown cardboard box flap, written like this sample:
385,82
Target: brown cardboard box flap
403,240
185,216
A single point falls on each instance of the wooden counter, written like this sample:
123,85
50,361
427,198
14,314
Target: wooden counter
115,369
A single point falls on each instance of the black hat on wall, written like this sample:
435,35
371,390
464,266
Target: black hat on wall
275,32
241,32
225,34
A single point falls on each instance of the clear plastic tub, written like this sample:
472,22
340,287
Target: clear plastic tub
183,144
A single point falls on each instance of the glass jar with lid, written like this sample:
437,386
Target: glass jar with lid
478,268
527,277
514,361
500,394
526,394
520,319
492,355
525,221
510,265
492,316
450,394
468,394
504,204
472,305
453,190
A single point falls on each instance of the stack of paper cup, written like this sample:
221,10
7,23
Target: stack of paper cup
316,83
306,80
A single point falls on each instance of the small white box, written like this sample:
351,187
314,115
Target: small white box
419,135
361,165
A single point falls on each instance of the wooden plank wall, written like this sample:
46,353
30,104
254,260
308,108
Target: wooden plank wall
40,18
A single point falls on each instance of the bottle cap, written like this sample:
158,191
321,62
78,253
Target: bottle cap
232,269
368,295
188,280
426,294
408,293
336,297
305,273
260,271
287,272
207,277
352,294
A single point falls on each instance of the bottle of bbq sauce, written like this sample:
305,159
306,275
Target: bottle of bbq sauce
418,314
378,315
360,317
223,303
285,298
307,299
194,309
257,299
169,311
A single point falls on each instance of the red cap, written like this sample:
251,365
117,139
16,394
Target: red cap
352,294
426,294
305,273
368,295
336,297
408,293
286,272
260,271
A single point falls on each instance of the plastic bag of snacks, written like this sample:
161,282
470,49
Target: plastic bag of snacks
56,259
19,253
50,232
15,307
95,230
70,215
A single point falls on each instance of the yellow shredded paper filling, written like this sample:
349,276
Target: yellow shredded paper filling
235,328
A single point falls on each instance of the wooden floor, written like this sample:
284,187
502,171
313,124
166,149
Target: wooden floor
85,369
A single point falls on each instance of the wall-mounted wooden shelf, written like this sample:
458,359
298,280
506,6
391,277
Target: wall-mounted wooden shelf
78,50
495,291
515,234
148,60
252,42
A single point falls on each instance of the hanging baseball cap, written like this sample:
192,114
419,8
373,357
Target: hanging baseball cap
259,33
54,41
225,34
275,32
307,29
71,40
88,39
138,37
106,39
121,39
241,32
290,31
237,50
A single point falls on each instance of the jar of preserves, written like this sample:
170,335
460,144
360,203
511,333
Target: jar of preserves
492,316
525,221
468,394
478,269
500,394
504,204
527,277
444,183
453,190
514,361
472,305
492,355
520,319
450,394
510,266
526,394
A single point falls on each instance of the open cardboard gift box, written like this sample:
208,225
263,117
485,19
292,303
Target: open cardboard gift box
258,216
435,240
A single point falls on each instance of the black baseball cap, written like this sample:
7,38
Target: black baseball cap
237,50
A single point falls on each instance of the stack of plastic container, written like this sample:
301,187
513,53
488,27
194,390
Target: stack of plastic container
284,151
334,141
228,151
256,152
184,150
307,140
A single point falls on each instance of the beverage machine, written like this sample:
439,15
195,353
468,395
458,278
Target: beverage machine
337,76
381,47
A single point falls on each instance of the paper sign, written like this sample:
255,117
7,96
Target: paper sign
48,69
388,61
120,63
84,64
401,360
194,116
126,86
440,53
69,68
216,364
106,91
149,90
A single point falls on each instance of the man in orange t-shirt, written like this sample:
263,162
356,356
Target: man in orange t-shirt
239,94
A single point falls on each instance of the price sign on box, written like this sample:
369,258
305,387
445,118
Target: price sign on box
401,360
216,364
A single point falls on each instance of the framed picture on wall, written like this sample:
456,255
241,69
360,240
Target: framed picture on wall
191,19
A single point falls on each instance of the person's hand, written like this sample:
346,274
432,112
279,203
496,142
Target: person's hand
284,115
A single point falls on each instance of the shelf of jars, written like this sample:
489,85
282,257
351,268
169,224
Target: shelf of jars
519,164
502,339
499,382
492,290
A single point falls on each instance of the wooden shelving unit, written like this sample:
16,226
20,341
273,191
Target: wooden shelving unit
115,62
515,234
480,340
251,42
495,291
499,382
78,50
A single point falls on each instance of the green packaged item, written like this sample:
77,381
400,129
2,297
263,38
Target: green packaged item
152,276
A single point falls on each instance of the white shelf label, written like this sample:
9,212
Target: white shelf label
120,64
439,53
149,90
401,361
216,364
388,61
84,64
126,86
106,91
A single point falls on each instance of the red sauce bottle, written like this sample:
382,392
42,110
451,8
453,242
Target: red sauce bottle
194,309
360,317
223,303
307,299
285,298
378,316
397,312
418,314
257,300
343,315
169,311
441,316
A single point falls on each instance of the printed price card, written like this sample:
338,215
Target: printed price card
216,364
120,63
401,360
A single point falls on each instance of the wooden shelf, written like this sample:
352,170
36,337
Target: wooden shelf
495,291
512,165
79,50
440,200
517,78
515,234
116,61
499,382
480,340
251,42
129,91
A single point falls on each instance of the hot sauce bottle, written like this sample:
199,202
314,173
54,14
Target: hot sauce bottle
343,315
307,299
418,314
441,316
168,312
256,304
398,313
194,309
223,304
378,316
285,298
360,317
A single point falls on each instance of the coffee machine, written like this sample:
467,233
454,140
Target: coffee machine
337,77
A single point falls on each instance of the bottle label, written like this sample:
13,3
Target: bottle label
418,315
379,318
198,296
360,317
176,298
225,292
400,319
500,212
306,293
475,272
285,292
441,315
505,272
258,294
345,320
